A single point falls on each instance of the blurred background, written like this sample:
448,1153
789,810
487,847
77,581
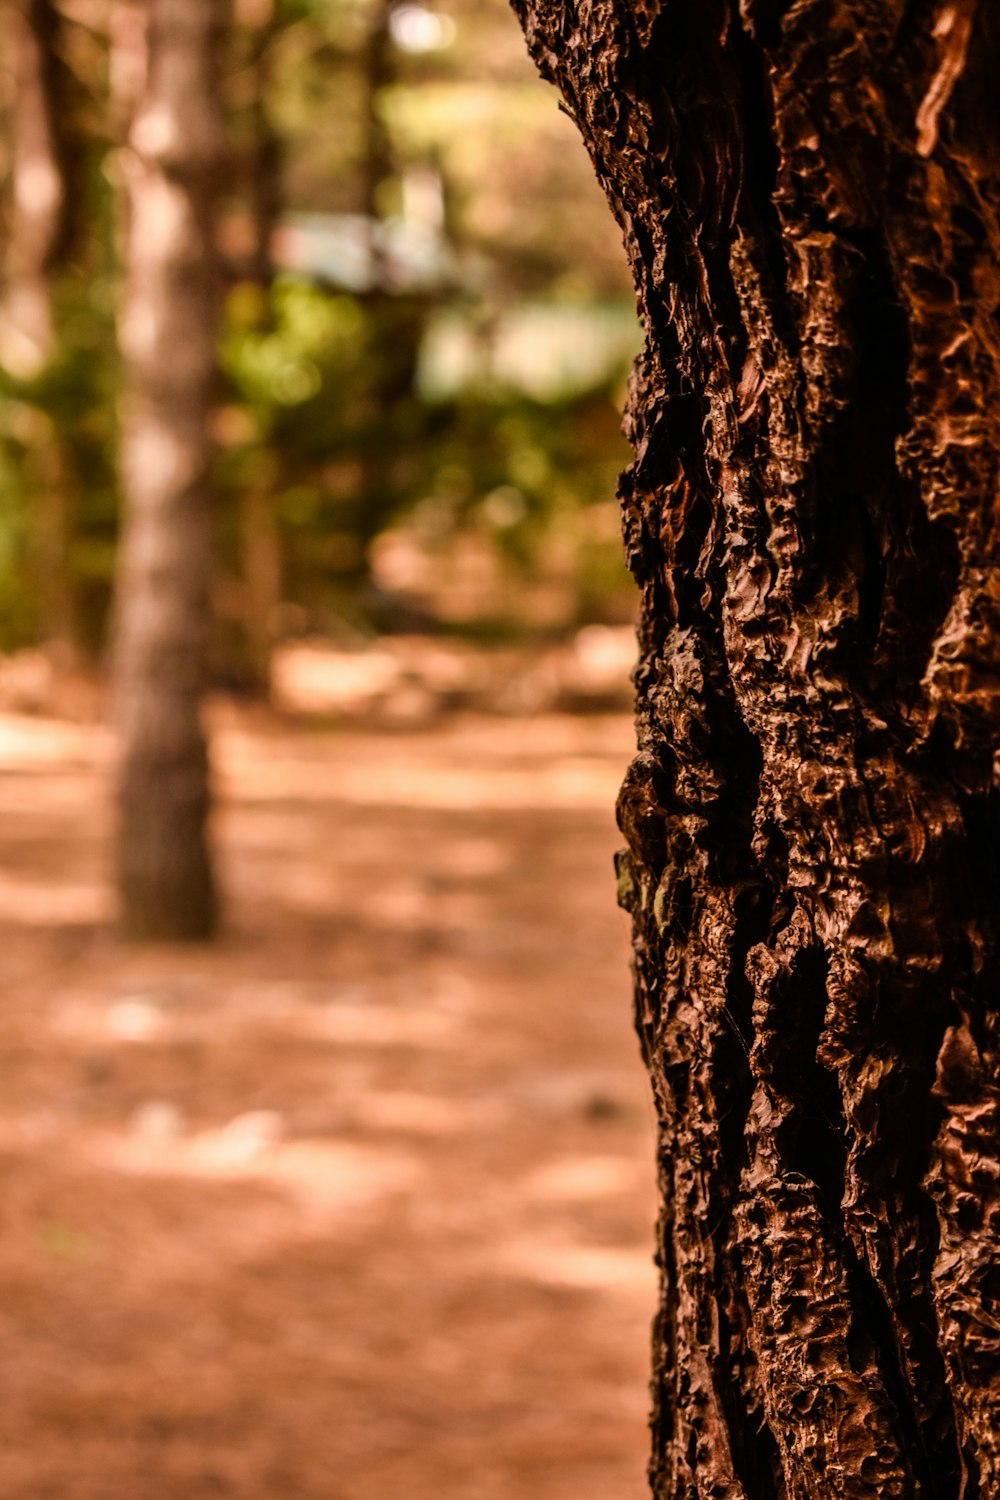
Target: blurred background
355,1199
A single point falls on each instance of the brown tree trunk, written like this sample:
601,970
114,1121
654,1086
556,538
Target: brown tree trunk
42,222
263,570
262,551
266,152
175,169
809,194
41,210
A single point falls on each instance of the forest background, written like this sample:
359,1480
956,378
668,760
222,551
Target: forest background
426,329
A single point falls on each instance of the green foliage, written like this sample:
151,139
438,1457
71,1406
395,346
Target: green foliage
324,412
59,429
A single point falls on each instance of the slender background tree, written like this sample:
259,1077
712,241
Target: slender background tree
43,229
175,164
809,196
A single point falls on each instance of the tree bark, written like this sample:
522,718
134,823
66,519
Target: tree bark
45,195
174,164
809,199
44,187
262,550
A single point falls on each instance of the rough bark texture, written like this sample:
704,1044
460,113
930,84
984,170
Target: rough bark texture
174,167
809,196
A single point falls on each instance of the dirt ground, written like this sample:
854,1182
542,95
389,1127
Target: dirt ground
358,1203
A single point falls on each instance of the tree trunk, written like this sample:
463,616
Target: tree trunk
263,571
809,198
42,228
175,169
262,550
43,171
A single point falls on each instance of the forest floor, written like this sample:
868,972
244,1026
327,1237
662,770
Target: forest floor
356,1204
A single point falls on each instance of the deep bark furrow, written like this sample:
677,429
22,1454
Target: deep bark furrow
809,199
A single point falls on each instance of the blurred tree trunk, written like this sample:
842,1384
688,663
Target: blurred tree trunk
42,224
265,156
809,198
41,214
392,373
261,542
175,168
263,573
377,165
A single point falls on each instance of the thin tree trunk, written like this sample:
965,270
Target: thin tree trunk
175,169
377,73
262,552
42,227
54,511
266,154
809,197
391,375
41,221
263,570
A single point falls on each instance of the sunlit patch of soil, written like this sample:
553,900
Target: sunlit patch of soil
357,1203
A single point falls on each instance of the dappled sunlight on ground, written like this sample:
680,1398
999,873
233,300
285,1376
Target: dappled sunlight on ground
404,680
357,1203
